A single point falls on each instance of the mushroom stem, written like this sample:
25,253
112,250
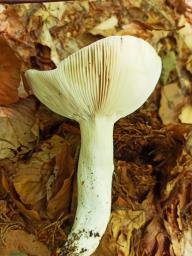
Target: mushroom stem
95,170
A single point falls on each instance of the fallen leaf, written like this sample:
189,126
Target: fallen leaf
18,131
10,67
106,28
169,64
13,28
19,242
58,202
172,100
33,214
46,178
133,29
189,64
133,180
186,114
187,243
43,19
154,240
186,32
3,207
117,239
31,178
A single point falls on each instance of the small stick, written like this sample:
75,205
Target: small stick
29,1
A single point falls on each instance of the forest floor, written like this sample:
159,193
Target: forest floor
152,183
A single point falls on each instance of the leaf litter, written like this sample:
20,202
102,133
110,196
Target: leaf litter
151,203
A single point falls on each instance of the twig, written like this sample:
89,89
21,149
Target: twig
30,1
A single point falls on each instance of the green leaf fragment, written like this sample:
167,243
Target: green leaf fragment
18,254
169,64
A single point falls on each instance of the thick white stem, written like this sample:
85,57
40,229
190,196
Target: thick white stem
95,170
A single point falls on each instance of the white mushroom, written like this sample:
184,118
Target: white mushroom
96,86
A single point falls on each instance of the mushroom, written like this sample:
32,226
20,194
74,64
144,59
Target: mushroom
96,86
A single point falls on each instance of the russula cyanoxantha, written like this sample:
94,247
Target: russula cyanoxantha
96,86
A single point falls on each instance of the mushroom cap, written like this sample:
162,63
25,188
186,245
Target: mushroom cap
111,77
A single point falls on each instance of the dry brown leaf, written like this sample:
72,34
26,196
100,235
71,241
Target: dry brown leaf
18,131
132,182
42,20
15,241
176,202
58,202
133,29
13,28
9,74
31,178
3,207
117,239
33,214
181,5
46,178
172,100
154,240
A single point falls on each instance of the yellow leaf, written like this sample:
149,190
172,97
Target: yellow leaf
186,114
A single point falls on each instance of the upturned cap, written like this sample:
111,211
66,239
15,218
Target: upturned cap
111,77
